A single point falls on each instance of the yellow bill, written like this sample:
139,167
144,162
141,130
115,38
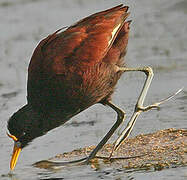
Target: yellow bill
15,155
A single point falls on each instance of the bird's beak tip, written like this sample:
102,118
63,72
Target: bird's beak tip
15,155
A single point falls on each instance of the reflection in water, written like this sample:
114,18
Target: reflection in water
11,176
51,178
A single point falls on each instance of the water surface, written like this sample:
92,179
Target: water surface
158,38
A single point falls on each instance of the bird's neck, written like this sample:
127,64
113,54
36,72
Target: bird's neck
42,121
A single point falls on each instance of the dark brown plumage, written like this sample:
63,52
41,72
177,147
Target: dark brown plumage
70,71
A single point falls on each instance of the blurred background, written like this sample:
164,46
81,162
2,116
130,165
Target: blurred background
157,38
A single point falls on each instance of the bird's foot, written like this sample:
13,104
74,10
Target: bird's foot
157,104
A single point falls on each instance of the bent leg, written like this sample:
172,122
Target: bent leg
120,118
140,104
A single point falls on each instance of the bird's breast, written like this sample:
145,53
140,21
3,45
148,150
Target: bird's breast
74,90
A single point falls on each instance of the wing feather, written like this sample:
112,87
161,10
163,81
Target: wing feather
85,43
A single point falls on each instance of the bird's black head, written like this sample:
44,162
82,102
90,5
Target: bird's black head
28,123
24,125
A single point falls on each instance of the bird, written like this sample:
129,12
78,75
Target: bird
73,69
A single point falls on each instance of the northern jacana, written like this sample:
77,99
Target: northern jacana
72,70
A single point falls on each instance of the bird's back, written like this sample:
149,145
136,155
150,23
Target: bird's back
73,69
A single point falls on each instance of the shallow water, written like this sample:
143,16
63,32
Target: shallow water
158,38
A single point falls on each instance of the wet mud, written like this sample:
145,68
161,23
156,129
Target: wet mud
156,151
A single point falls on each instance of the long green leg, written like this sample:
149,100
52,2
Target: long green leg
139,105
120,118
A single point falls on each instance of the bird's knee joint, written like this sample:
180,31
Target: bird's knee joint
121,116
149,71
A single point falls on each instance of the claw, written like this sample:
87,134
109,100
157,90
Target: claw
170,97
157,105
113,149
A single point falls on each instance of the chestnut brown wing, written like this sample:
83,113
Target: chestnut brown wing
83,44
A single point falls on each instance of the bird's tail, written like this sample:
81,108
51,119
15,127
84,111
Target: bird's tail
118,50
